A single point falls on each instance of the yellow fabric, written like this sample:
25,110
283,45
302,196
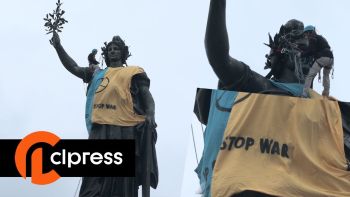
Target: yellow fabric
113,101
306,156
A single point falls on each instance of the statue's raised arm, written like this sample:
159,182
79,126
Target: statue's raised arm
66,60
228,69
283,59
54,24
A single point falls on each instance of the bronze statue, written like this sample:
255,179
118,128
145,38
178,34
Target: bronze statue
119,106
116,54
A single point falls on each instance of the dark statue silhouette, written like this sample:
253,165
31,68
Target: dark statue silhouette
141,110
115,57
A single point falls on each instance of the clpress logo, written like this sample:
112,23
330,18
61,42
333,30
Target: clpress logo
38,177
45,158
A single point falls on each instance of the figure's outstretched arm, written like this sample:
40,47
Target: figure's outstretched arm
228,69
66,60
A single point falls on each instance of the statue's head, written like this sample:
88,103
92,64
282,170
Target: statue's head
285,50
294,27
116,50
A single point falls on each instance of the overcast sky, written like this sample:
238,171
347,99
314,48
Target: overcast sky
166,39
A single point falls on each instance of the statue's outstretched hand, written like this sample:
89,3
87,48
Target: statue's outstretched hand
55,40
150,120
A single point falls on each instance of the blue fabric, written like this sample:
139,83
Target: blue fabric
295,88
95,83
213,135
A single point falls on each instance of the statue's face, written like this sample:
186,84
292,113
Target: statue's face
114,52
292,54
302,43
285,57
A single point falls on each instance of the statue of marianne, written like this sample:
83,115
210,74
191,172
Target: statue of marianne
117,87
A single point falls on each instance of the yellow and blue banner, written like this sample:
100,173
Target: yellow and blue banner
109,100
251,139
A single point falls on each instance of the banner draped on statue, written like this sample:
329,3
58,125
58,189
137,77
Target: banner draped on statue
283,146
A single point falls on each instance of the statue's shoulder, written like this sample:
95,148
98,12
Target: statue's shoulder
249,81
134,69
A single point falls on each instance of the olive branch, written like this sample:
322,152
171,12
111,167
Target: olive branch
54,20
